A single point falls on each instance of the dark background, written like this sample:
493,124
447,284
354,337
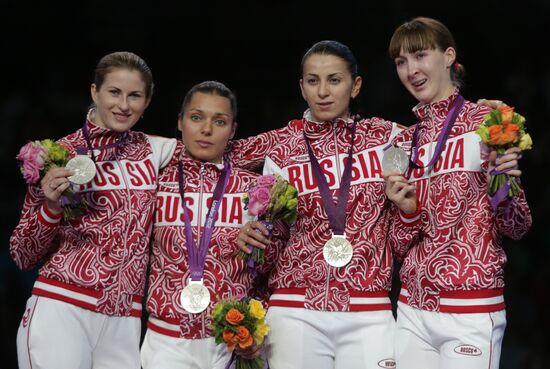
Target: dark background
49,50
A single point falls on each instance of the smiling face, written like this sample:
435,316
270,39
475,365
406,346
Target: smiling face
328,86
120,100
207,124
426,73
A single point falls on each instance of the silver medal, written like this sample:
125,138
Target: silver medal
337,251
83,167
195,298
395,160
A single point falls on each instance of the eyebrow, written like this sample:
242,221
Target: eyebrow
120,89
215,114
330,75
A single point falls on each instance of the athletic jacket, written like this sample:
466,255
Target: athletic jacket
250,153
97,261
453,259
302,278
225,273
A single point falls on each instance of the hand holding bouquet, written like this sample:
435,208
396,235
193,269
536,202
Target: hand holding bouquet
240,324
36,158
270,199
501,130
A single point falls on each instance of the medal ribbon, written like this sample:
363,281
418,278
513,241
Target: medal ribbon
90,148
336,213
445,131
197,257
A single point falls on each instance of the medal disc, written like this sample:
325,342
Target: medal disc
337,251
395,160
83,167
195,298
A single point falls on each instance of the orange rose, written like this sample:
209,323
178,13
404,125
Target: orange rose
244,338
502,134
234,316
507,112
231,339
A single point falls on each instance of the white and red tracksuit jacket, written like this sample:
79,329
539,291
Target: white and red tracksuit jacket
302,278
225,273
250,153
451,249
97,261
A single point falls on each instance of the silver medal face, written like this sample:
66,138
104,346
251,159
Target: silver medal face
195,298
395,160
83,167
337,251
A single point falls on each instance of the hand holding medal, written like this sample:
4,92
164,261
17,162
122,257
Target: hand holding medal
44,161
398,189
83,168
395,160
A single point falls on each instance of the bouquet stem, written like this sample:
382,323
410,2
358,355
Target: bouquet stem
502,186
257,256
242,363
73,204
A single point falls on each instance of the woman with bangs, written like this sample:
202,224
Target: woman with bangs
445,230
330,306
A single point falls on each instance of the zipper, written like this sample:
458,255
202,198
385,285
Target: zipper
124,241
338,178
199,223
429,199
337,157
199,215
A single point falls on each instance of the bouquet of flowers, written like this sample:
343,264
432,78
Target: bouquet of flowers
270,199
36,158
502,129
240,323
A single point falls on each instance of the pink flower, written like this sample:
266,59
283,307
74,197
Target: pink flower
266,181
31,171
32,158
259,198
31,152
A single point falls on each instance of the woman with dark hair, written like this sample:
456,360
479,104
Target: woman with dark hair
330,306
200,210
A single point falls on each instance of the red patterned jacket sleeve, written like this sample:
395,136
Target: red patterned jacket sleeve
513,217
404,230
250,153
33,237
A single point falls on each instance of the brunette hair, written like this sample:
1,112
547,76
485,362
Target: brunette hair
124,60
211,88
424,33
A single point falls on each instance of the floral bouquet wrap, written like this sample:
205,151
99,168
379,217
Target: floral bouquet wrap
501,130
36,158
240,323
270,198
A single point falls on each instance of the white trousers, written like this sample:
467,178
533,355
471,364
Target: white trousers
159,351
433,340
57,335
302,339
